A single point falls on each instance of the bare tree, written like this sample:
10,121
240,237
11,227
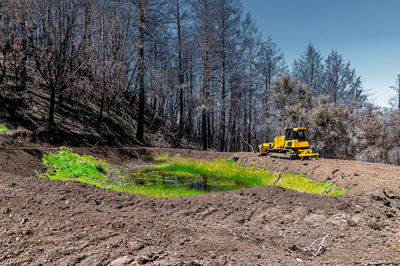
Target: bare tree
272,65
15,43
141,15
203,13
228,19
55,52
180,70
103,65
396,88
339,77
251,41
309,69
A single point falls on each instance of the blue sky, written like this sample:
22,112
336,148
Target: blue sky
366,32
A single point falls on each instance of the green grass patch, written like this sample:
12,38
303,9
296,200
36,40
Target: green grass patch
3,128
174,177
161,158
66,165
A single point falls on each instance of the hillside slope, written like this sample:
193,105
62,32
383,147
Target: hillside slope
25,114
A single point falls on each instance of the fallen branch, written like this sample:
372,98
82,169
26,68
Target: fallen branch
276,180
390,196
94,145
319,250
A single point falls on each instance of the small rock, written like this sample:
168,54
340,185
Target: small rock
342,206
121,261
287,218
117,224
5,210
149,258
357,218
390,213
314,219
358,209
338,219
135,245
374,224
27,232
23,221
67,202
376,196
351,222
299,260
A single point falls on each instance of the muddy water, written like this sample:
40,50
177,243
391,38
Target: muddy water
199,183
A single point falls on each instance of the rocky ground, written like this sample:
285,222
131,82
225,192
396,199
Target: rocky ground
64,223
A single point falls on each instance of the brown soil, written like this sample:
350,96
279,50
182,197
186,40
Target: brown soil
60,223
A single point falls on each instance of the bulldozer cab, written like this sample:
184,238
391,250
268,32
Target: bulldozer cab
295,134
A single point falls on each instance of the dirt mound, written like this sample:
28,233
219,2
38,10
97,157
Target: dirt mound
358,177
54,222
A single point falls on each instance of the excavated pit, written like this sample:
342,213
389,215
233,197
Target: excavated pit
53,222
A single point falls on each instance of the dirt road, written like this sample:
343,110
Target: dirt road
60,223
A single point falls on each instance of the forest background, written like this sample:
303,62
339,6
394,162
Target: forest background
202,66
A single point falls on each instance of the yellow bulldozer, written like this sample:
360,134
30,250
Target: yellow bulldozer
292,145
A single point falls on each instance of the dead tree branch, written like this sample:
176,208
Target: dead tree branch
390,196
276,180
241,136
253,124
321,248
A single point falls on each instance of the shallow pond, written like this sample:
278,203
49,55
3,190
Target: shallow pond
198,183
